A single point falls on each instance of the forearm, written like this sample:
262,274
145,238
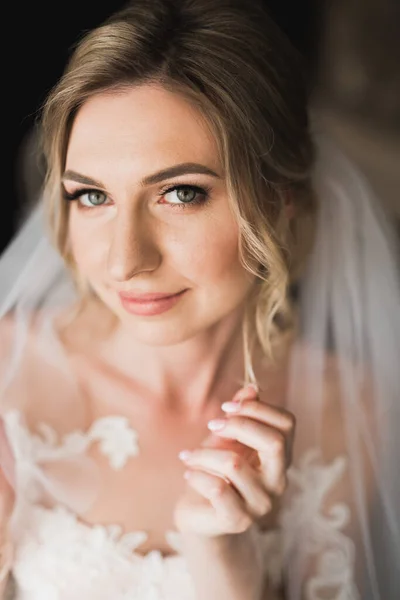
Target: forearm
226,567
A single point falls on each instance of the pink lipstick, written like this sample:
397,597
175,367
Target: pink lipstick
149,304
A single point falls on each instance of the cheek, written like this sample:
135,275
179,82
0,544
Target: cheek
209,254
88,244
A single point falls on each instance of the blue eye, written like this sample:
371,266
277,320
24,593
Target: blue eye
187,195
93,197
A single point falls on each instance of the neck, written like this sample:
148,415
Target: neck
190,376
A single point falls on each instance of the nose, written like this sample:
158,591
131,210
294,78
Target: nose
132,248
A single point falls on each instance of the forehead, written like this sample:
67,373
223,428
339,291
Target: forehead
139,124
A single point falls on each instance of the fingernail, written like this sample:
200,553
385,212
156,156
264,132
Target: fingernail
216,424
187,474
246,392
184,454
252,386
231,407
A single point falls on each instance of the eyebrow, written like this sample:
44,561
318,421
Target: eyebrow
168,173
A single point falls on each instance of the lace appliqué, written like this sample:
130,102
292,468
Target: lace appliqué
117,440
320,531
35,453
60,557
91,551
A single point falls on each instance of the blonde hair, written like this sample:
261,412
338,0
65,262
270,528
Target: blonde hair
232,62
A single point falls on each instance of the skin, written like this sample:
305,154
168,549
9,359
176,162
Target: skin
140,241
185,362
133,240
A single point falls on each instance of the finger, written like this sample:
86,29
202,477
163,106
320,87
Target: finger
235,469
266,413
229,506
197,515
270,444
247,392
273,416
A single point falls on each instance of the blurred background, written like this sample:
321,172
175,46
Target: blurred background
42,37
351,48
41,34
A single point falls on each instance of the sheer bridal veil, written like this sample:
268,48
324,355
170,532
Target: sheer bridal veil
349,303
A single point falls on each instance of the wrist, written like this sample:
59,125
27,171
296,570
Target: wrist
215,546
225,566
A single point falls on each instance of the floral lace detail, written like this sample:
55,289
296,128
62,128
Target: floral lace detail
59,558
320,531
54,548
118,441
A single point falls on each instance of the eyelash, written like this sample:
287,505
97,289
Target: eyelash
201,191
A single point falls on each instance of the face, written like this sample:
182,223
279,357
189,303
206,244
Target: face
149,215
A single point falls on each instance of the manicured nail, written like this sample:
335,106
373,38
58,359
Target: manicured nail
184,454
246,392
252,386
231,407
187,474
216,424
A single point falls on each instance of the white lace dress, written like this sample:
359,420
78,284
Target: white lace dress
58,557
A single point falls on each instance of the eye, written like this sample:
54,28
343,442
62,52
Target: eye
185,195
87,198
92,198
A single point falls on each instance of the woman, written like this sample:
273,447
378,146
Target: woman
176,424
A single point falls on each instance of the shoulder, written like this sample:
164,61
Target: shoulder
36,378
7,333
329,396
335,409
15,340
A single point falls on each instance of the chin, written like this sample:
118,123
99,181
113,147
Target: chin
162,333
175,326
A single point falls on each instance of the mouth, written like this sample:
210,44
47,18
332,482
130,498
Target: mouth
149,304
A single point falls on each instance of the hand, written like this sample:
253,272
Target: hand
7,499
240,472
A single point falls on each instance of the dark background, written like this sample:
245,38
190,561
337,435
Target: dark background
41,36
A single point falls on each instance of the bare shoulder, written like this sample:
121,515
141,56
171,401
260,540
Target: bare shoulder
17,351
13,331
344,407
292,380
36,380
7,333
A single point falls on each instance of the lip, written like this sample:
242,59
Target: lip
131,297
149,304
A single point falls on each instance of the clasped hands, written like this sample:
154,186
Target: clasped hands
239,473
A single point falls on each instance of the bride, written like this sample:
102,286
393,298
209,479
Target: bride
199,331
